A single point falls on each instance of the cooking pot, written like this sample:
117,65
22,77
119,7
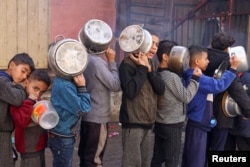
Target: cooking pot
96,36
221,69
240,52
135,39
229,107
178,59
67,58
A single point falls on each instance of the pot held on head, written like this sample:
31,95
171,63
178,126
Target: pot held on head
96,36
135,39
67,58
178,59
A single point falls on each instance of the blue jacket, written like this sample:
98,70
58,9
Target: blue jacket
197,108
69,102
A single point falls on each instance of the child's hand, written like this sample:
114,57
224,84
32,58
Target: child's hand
110,54
197,72
33,97
234,61
79,80
142,59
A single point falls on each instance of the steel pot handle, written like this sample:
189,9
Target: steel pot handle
58,37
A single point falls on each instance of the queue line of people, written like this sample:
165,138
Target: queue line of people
153,98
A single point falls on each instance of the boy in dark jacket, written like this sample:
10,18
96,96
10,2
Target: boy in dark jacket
30,138
140,84
19,68
218,136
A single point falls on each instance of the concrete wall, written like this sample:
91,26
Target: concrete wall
68,16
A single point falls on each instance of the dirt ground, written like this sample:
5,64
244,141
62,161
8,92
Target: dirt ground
113,153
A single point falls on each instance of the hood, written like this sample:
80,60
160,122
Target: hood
215,57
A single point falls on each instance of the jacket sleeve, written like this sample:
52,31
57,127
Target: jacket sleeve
132,79
240,96
212,85
182,93
22,115
109,77
156,82
11,93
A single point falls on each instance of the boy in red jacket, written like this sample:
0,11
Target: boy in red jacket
30,138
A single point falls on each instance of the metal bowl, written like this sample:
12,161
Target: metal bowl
134,39
240,52
179,59
229,107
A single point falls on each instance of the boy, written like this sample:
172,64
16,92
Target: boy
170,110
71,101
19,68
199,113
102,78
140,84
30,138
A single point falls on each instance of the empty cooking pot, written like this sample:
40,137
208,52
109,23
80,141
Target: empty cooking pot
67,58
240,52
178,59
229,107
135,39
95,35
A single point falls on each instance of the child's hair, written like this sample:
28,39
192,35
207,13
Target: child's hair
165,46
153,32
23,58
40,75
221,41
195,51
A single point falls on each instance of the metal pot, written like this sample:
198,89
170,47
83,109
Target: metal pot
240,52
221,69
135,39
67,58
96,36
178,59
229,107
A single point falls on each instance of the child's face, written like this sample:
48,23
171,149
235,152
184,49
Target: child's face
19,72
203,61
35,88
154,47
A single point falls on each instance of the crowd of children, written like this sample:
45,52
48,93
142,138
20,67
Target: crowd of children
155,100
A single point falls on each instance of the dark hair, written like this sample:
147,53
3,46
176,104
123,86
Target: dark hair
40,75
165,46
153,32
23,58
196,50
221,41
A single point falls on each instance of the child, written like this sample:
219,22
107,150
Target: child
70,100
102,78
19,68
30,138
199,113
170,110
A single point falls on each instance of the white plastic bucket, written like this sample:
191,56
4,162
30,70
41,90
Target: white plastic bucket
44,114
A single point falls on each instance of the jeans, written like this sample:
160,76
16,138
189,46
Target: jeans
62,149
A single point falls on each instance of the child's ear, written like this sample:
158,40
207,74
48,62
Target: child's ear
165,57
12,65
196,61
